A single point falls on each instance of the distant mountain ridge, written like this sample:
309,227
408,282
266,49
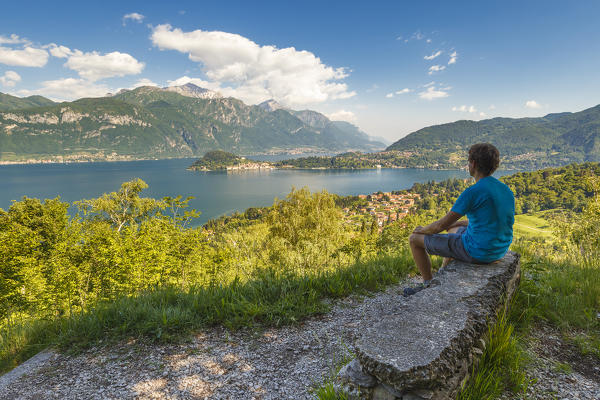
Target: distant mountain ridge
8,102
152,122
554,139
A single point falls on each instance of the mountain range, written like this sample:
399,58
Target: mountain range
554,139
152,122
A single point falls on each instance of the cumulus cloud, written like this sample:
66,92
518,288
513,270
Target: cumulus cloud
532,104
482,114
464,108
436,68
434,55
59,51
241,68
453,57
428,40
389,95
68,89
10,79
26,57
342,115
432,93
403,91
94,66
134,17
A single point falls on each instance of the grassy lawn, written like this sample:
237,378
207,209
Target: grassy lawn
534,225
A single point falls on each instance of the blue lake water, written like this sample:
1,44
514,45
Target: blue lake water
216,193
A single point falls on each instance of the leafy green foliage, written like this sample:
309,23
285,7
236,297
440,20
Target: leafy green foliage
550,188
132,266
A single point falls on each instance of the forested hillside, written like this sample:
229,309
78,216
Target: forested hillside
524,143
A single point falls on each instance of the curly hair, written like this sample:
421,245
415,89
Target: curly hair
486,157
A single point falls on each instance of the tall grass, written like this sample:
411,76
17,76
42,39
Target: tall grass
500,367
271,298
559,291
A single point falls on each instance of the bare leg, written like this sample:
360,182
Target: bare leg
417,247
447,260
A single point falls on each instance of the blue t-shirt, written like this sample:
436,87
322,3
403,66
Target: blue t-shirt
490,207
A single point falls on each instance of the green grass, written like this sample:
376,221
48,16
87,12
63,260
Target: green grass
534,225
326,390
270,299
560,292
501,366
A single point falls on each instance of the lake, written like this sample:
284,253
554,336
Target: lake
216,193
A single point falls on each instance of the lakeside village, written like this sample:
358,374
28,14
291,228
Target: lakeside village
384,207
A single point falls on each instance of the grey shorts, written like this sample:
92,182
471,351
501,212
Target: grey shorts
449,245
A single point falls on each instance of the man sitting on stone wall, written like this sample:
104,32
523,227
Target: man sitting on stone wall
487,233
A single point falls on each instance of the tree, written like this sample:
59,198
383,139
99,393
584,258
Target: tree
124,207
305,230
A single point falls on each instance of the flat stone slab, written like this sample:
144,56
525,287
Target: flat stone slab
429,342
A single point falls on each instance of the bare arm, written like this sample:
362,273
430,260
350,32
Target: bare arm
448,221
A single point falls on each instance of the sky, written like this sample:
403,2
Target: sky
389,67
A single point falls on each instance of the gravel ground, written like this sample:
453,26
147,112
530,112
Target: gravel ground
558,370
284,363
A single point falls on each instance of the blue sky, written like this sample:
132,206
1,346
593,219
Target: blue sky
390,67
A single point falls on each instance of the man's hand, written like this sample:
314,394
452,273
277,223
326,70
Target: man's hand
440,225
424,230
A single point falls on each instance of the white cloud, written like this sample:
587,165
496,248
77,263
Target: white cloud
69,89
254,73
94,66
432,93
143,82
532,104
10,79
482,114
434,55
25,57
342,115
12,39
464,108
59,51
436,68
134,17
428,40
389,95
403,91
453,58
492,107
429,84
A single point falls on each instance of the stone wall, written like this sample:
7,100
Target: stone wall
425,347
